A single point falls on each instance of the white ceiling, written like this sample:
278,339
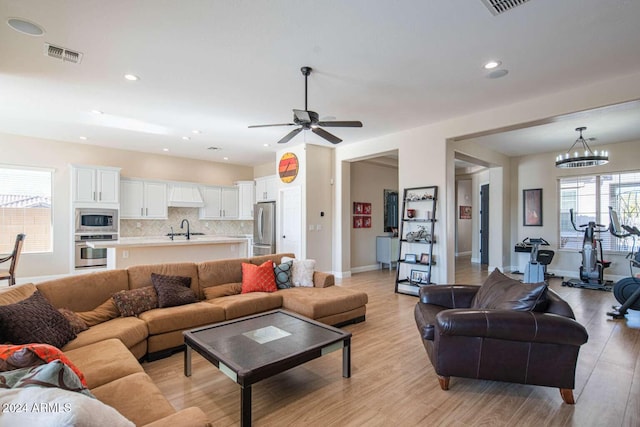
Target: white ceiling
219,66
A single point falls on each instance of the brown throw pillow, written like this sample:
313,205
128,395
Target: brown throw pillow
135,301
500,292
173,290
34,320
76,322
105,311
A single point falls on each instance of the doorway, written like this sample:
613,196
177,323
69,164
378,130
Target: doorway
484,224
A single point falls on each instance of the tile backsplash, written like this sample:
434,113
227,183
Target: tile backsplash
160,227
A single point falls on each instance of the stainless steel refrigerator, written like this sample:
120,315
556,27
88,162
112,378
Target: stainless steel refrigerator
264,228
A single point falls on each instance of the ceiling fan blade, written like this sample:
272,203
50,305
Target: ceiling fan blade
342,124
326,135
302,115
290,135
266,126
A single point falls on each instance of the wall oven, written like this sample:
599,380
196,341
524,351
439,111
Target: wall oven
92,220
87,257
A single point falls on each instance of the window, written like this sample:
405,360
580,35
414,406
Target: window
25,207
590,198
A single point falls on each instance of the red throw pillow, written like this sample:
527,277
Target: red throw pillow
258,278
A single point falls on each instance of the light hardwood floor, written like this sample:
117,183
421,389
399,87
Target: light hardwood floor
393,383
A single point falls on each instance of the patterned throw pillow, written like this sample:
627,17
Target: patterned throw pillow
53,374
76,321
173,290
283,274
34,320
136,301
258,278
30,355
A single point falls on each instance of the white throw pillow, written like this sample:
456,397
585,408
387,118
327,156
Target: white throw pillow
301,271
53,407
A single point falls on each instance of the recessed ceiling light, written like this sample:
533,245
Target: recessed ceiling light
131,77
186,138
165,149
496,74
491,65
196,131
25,27
225,158
266,145
84,138
97,112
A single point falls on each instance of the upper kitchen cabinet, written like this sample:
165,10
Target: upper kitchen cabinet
183,195
95,185
246,198
219,203
143,199
266,188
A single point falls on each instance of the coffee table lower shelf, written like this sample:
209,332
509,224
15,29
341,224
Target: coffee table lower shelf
253,348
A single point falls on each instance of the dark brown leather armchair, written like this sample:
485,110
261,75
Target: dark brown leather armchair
526,347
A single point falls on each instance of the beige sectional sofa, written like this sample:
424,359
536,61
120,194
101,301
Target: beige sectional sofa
108,352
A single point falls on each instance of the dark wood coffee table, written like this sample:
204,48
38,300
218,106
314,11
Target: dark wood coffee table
250,349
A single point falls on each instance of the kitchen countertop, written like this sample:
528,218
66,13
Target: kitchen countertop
131,242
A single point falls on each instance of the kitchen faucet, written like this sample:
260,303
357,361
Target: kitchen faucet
171,235
182,226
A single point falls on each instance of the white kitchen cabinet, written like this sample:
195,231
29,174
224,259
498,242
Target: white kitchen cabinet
143,199
246,198
95,185
266,188
219,203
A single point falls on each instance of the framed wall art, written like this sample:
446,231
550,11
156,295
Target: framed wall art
532,207
465,212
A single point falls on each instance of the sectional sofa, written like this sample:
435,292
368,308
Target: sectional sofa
109,350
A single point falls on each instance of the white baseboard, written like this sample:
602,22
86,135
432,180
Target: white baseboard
341,274
365,268
475,260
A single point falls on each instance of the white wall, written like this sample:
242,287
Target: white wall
368,182
36,152
464,197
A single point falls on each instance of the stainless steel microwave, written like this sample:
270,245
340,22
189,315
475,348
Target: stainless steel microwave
93,220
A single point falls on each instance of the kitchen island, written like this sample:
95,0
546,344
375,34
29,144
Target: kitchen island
128,251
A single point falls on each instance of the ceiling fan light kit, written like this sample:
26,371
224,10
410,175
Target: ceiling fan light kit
310,120
582,159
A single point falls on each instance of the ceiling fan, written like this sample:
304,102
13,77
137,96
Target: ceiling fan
310,120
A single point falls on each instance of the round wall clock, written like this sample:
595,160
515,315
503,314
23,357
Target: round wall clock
288,167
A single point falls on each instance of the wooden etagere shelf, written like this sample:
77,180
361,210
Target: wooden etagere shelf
417,227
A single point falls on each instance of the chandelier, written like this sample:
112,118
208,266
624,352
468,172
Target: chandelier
584,158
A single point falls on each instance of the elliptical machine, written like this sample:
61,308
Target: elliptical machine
626,290
536,269
593,264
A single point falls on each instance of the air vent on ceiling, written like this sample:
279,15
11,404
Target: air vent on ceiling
496,7
62,53
214,148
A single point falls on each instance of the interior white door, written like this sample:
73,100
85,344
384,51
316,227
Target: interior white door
290,239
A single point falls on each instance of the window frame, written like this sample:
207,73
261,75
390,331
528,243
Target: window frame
622,246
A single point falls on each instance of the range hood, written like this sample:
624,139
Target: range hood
185,196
